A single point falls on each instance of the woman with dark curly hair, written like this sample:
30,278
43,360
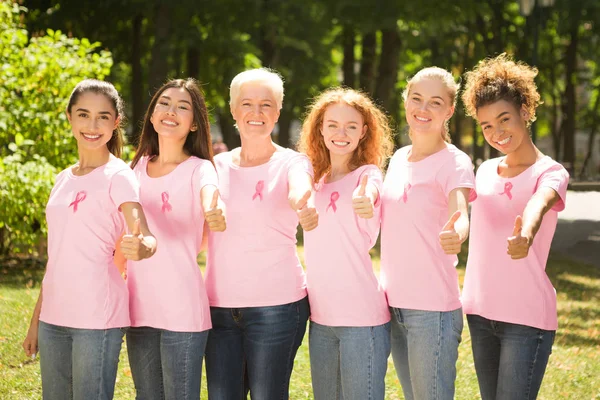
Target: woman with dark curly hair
348,140
509,301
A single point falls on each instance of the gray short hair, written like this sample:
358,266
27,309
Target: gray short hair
265,76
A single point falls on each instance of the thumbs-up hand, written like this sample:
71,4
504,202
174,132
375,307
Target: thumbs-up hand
307,213
361,202
449,238
214,216
132,245
518,245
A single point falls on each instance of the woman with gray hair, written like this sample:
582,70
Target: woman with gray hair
255,282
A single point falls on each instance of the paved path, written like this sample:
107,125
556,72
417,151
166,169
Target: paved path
578,231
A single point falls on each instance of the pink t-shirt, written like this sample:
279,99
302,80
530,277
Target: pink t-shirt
166,291
254,262
497,287
415,271
342,288
82,287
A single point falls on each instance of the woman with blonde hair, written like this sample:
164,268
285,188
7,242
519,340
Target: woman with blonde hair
509,301
425,220
348,141
255,282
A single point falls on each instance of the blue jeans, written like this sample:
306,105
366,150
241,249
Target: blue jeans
253,348
425,350
166,364
510,359
79,364
348,363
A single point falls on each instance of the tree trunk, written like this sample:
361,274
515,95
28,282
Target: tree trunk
284,124
137,85
367,65
387,76
230,135
595,120
570,97
193,61
159,66
348,42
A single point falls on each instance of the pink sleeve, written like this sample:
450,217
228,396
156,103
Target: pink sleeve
371,226
458,173
300,163
204,174
556,177
124,188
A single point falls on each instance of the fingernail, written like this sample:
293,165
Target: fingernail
33,356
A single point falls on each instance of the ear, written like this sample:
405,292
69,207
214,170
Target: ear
450,113
117,122
364,131
194,128
524,113
68,116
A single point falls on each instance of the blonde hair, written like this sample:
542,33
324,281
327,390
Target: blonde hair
374,148
501,78
443,76
264,76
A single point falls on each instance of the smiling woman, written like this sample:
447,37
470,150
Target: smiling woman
255,282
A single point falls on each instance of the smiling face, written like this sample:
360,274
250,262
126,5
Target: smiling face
428,106
504,126
173,115
343,128
93,120
255,111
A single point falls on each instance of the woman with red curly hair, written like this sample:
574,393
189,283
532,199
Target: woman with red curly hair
509,301
425,221
347,139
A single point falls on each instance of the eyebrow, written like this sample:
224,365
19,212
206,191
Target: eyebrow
88,111
180,101
433,97
247,98
498,116
334,121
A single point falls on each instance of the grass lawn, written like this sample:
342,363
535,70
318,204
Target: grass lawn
573,371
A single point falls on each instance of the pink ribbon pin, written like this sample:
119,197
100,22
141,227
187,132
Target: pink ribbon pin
334,197
165,200
79,197
407,187
507,188
260,185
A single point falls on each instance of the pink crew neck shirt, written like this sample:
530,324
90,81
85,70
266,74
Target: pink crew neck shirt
254,262
82,287
497,287
167,291
415,271
342,287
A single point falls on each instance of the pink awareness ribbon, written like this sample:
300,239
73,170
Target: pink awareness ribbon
79,197
507,188
260,185
407,187
334,197
165,200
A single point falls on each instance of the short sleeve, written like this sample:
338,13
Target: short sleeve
555,177
458,173
300,163
203,175
124,187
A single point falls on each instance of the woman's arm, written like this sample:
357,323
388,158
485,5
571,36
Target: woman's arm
456,230
140,243
527,226
30,344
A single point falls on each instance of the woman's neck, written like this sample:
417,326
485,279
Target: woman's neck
425,145
170,151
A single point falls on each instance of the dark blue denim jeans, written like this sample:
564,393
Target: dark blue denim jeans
254,348
79,364
510,359
166,364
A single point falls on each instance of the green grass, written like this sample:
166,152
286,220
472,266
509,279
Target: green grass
573,371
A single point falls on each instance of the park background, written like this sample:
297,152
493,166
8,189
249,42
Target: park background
47,46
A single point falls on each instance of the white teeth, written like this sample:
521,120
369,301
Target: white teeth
340,143
91,136
256,123
503,142
170,123
422,119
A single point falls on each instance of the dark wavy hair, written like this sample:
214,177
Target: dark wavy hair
115,144
198,143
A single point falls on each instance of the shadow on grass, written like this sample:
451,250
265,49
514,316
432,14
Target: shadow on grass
19,273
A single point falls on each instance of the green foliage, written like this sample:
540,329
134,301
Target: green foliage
37,76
